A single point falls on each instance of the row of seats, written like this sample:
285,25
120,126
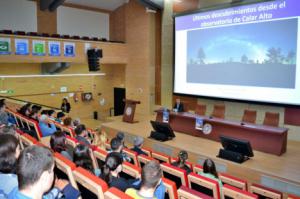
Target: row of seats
35,34
271,119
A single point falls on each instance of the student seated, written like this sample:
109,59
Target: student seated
81,134
59,117
51,114
68,122
138,142
209,170
182,157
3,115
178,107
151,179
58,144
117,146
44,126
121,137
34,115
82,158
100,138
25,110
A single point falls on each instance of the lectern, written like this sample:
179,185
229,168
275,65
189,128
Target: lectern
129,110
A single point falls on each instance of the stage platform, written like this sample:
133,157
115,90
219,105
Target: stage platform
279,172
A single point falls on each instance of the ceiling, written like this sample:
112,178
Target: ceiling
103,4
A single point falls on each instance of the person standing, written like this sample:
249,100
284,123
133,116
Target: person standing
65,106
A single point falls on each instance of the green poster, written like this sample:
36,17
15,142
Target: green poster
4,46
38,47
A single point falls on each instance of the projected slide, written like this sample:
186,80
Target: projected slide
244,56
248,53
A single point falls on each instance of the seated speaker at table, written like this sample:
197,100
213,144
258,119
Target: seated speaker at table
178,107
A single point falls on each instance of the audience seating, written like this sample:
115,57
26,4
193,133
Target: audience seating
189,164
271,119
263,191
235,193
34,128
176,174
197,168
171,190
187,193
100,156
132,155
161,157
130,171
249,116
107,145
66,167
114,193
27,140
71,142
233,181
200,109
143,159
147,151
219,111
293,197
204,185
89,184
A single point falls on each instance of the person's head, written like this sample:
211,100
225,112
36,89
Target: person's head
138,142
76,122
178,100
60,115
50,113
58,141
44,112
151,175
182,156
112,166
80,130
35,108
116,145
8,130
25,110
67,121
65,100
35,169
209,167
34,113
121,136
82,157
44,119
100,138
2,107
9,153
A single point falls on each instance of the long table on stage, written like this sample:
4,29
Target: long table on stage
263,138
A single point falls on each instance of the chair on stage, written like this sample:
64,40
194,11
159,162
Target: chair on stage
114,193
161,157
175,174
249,116
90,186
143,159
171,190
130,171
64,169
265,192
219,111
187,193
133,156
229,192
197,168
200,109
271,119
233,181
204,185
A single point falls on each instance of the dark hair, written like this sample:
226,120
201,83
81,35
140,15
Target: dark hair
65,100
8,147
182,156
79,129
50,112
121,136
151,174
8,130
209,167
33,161
82,157
115,143
44,112
67,121
60,115
35,108
58,142
2,104
112,161
33,112
24,108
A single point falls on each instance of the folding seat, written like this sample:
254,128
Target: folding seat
189,164
114,193
161,157
71,143
34,129
175,174
265,192
204,185
67,130
230,192
19,121
249,116
107,145
27,140
290,196
147,151
233,181
187,193
90,186
64,169
100,156
130,171
197,168
171,190
143,159
133,156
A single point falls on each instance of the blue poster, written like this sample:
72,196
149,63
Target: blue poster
199,123
69,49
54,48
166,116
22,47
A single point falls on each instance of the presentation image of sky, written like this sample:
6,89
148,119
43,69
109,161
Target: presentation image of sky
261,54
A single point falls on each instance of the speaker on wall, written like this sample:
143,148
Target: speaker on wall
94,56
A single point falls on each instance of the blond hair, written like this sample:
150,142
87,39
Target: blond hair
100,138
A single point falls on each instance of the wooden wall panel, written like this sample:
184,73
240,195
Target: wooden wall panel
46,21
117,30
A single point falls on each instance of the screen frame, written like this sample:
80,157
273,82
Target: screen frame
229,141
212,8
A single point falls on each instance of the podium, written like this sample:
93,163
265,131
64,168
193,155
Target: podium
129,110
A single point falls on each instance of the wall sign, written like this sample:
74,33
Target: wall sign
38,47
69,49
22,46
5,48
54,48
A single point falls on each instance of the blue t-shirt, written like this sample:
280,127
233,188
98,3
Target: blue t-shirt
16,194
